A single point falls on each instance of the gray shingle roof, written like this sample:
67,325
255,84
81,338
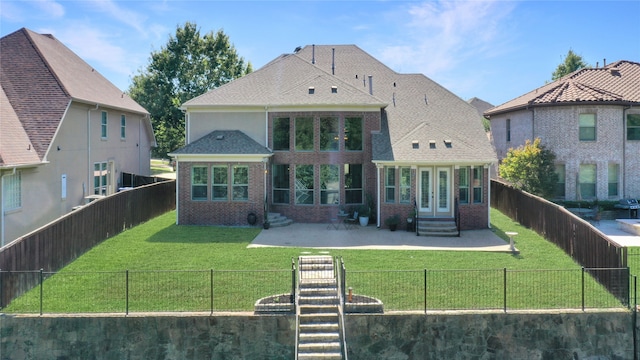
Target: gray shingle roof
617,83
15,146
223,142
41,76
413,106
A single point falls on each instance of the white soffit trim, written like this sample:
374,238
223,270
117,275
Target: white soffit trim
221,157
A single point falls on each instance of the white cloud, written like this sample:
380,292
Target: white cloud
128,17
51,8
442,35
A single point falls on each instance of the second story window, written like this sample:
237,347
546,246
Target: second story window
587,127
281,134
633,126
329,134
508,130
103,125
353,134
304,134
123,127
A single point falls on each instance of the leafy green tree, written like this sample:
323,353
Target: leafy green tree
571,63
189,65
531,168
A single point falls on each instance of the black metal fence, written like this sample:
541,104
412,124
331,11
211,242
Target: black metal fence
146,291
502,289
232,290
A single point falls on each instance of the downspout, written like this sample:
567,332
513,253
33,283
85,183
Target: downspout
266,127
89,167
378,168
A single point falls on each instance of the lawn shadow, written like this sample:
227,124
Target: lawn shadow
503,235
199,234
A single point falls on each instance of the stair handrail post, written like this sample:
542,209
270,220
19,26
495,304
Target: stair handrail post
293,282
457,214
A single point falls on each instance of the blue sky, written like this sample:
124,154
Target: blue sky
494,50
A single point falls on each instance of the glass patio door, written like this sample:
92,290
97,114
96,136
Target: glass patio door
434,191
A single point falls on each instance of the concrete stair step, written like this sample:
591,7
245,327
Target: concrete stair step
322,347
318,309
320,356
318,318
318,291
319,327
318,259
315,266
319,337
318,300
312,282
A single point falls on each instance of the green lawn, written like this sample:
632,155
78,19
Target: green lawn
158,266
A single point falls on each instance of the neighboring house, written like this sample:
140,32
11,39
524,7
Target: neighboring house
591,120
330,128
480,105
66,133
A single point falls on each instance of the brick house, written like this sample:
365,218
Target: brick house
331,128
591,120
66,133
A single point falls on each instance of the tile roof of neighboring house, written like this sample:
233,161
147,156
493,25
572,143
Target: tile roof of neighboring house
224,142
41,76
616,83
415,107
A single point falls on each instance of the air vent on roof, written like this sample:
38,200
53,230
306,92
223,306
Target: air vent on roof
432,144
312,90
220,137
334,89
415,144
447,143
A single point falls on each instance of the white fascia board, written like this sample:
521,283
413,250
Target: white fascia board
434,163
242,158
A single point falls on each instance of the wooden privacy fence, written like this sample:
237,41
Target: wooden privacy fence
585,244
56,244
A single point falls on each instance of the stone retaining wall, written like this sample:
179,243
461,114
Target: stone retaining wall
447,335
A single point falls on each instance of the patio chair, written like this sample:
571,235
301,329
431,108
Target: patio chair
351,221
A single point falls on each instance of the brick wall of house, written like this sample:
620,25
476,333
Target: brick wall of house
207,212
558,128
319,213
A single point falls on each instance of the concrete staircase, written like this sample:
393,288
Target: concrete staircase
278,220
319,335
437,227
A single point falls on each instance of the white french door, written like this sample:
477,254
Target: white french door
434,191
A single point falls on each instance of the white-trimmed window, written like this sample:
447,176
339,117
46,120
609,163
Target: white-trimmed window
587,128
508,130
199,182
123,126
240,182
633,126
405,185
560,185
12,191
463,184
477,184
587,181
613,179
103,125
220,183
390,184
100,178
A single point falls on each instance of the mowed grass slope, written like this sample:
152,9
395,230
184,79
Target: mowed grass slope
158,253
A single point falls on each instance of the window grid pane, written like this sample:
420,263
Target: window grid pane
329,184
240,183
329,134
123,126
103,125
12,191
633,126
353,134
477,184
353,183
281,128
587,181
405,185
304,134
587,130
390,184
280,183
199,182
613,180
220,183
560,185
463,180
